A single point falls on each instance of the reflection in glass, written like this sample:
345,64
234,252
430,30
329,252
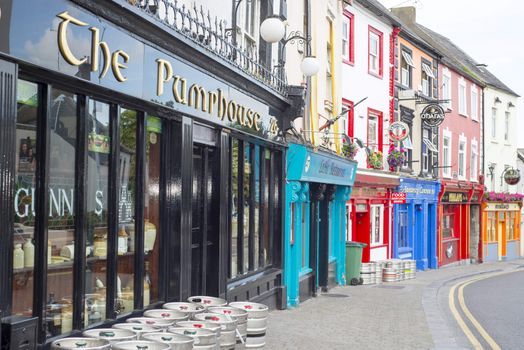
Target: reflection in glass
152,209
234,209
247,202
24,211
265,208
61,225
126,209
256,206
98,142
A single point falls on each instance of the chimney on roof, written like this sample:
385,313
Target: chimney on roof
407,14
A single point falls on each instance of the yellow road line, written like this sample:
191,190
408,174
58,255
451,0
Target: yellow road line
472,339
467,331
473,320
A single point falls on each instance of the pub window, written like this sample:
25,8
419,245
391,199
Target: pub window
305,236
98,151
492,227
61,223
403,238
252,198
510,226
376,225
24,210
448,221
153,144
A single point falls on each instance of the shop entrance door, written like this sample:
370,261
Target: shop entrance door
205,221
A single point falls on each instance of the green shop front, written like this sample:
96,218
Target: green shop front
317,188
135,169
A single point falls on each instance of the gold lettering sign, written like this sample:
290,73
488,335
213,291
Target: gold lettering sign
109,60
212,102
208,101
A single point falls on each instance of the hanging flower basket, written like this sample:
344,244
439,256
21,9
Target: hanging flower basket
349,150
396,157
375,160
503,197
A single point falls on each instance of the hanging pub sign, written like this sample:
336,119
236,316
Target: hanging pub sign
454,197
432,115
512,176
398,131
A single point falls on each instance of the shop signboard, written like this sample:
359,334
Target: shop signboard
512,176
433,115
398,197
416,189
66,38
398,131
455,197
312,166
495,206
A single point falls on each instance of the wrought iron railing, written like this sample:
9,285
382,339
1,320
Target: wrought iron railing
212,34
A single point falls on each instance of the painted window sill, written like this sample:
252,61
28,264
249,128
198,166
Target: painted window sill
378,245
305,271
376,75
450,239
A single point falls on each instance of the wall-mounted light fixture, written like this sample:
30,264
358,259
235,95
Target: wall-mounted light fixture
497,100
273,30
510,105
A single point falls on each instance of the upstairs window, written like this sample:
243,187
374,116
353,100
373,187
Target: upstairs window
446,155
462,159
474,103
506,127
462,98
348,52
348,121
446,91
406,66
427,79
248,22
374,130
474,161
493,123
375,50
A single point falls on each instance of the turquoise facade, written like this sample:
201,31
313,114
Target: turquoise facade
307,171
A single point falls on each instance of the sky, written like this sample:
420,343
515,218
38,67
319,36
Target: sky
492,32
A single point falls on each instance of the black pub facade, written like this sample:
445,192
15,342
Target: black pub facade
141,162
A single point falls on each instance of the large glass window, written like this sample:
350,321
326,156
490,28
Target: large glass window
492,226
152,210
252,198
98,150
24,211
510,225
126,210
61,243
403,238
448,221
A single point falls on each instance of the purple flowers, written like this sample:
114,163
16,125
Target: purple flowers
396,157
503,197
350,150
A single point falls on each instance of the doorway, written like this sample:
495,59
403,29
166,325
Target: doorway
205,221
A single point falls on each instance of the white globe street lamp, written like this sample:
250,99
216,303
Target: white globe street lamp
272,30
309,66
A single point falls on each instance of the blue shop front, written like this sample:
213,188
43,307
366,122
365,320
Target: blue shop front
317,188
415,222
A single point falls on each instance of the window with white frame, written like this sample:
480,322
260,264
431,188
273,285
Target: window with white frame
406,66
474,161
247,25
474,103
427,76
506,127
347,37
462,158
373,122
462,97
493,123
377,224
374,52
425,150
446,90
446,154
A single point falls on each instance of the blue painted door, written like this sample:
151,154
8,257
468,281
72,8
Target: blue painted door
404,233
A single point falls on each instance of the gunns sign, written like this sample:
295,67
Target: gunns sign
68,39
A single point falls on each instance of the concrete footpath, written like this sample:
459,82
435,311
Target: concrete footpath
411,314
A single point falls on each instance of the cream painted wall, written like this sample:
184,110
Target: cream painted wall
497,150
357,83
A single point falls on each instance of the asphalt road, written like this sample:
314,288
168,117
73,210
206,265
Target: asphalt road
498,305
